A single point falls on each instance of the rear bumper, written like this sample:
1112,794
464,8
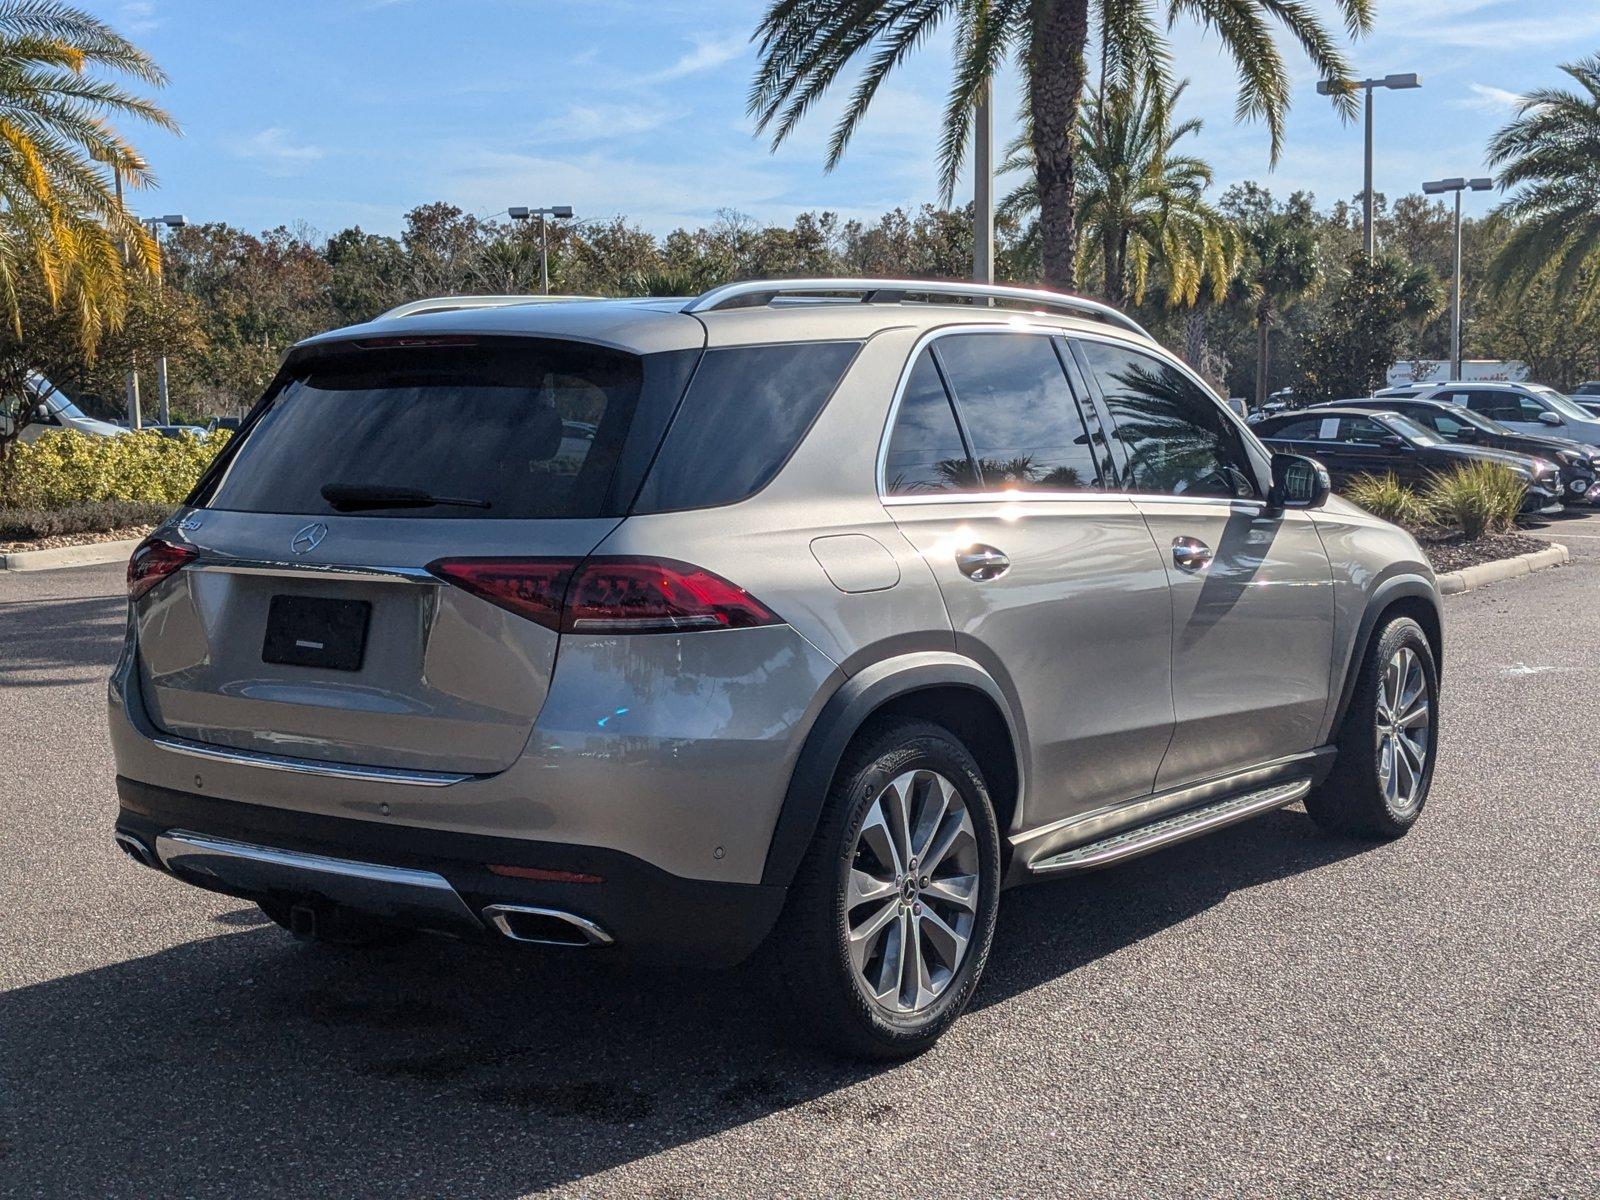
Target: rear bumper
441,881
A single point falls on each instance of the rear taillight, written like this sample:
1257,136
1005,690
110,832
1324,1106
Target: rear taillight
152,562
609,595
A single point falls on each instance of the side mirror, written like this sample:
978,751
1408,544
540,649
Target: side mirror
1467,433
1550,418
42,413
1392,441
1298,482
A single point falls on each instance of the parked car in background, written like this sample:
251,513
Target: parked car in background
1579,463
1353,441
1403,389
1523,407
1591,388
686,627
1588,403
229,423
173,431
53,411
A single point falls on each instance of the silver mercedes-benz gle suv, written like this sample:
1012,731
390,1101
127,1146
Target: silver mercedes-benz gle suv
806,616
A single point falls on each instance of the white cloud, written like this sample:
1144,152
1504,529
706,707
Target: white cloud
600,122
709,53
277,151
138,17
1490,99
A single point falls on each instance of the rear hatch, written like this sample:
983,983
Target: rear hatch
310,624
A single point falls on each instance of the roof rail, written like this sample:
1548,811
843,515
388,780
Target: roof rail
452,303
754,293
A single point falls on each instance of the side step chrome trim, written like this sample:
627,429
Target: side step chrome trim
308,766
423,898
1171,830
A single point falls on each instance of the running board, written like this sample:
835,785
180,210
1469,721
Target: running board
1172,830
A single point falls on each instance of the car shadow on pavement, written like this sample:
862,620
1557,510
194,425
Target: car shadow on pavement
60,642
248,1063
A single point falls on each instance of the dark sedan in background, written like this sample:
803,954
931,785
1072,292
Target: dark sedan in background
1357,441
1579,462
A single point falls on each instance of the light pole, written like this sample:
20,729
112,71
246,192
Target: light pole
1341,87
983,188
561,212
171,221
1457,185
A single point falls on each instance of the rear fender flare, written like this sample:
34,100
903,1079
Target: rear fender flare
845,712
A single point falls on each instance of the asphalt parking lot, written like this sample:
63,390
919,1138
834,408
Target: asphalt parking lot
1267,1011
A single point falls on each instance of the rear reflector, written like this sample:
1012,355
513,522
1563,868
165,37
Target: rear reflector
543,874
152,562
608,595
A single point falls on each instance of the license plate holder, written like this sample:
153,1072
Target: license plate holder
316,631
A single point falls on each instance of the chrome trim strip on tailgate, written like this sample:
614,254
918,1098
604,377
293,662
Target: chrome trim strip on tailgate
422,896
309,766
263,566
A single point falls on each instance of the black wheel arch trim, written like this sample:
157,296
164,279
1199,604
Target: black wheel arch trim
845,712
1397,587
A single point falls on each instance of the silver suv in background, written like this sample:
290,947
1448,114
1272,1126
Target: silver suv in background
803,615
1523,408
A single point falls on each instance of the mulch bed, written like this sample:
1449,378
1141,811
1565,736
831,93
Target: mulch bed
1453,552
56,541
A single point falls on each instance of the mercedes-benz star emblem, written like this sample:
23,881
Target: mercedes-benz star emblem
309,538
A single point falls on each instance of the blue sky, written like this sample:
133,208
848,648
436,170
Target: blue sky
341,112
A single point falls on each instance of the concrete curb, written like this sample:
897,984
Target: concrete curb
1506,568
90,554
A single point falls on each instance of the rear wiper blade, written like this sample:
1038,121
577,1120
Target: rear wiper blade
350,497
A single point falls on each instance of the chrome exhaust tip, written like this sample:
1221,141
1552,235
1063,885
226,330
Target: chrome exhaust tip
545,926
137,850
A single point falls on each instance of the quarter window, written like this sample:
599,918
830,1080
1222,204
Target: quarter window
1020,418
1178,440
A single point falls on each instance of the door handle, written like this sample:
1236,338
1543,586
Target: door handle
982,563
1191,554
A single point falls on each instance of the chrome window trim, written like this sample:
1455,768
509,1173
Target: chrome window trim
308,766
264,566
1019,324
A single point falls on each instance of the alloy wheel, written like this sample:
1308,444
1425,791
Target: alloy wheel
912,896
1404,717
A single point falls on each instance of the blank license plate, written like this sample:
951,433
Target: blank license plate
310,631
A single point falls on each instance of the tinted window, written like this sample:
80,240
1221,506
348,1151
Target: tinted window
533,428
925,450
1178,439
1497,406
1301,429
745,412
1018,411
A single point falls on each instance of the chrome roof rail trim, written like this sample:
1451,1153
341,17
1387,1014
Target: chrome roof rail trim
452,303
754,293
308,766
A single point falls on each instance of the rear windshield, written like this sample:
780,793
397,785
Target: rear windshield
522,428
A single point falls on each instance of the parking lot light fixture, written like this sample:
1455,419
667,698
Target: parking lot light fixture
1342,87
1438,187
559,212
171,221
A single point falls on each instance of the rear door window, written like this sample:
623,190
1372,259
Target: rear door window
744,414
926,454
519,427
1018,411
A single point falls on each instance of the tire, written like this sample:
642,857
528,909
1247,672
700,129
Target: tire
827,978
1364,796
335,927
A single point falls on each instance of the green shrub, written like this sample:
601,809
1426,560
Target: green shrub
65,469
1476,498
1387,498
24,524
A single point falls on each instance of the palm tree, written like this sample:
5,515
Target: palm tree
63,166
1552,147
1139,202
1280,267
806,44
